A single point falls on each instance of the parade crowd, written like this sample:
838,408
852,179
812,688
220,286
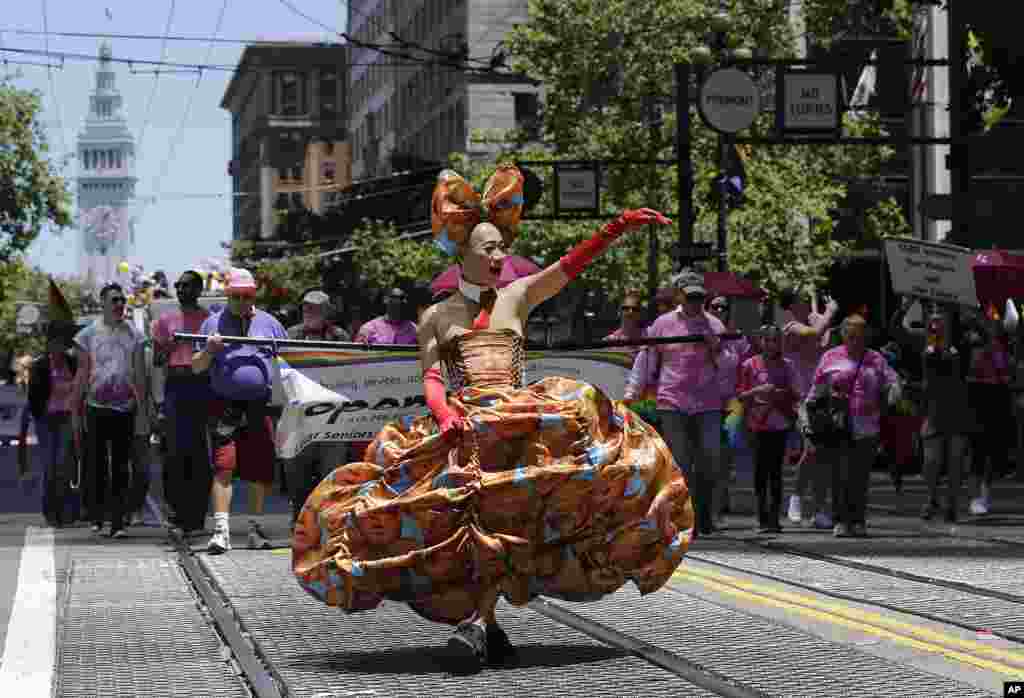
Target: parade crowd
807,391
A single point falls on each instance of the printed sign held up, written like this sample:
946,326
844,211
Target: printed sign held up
931,270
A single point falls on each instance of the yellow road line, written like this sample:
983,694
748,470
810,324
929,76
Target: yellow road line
864,616
281,551
848,617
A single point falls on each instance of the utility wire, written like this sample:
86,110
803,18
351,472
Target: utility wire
165,166
412,63
156,79
54,99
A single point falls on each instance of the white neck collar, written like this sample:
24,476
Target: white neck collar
470,290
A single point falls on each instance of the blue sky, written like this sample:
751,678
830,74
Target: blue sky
173,233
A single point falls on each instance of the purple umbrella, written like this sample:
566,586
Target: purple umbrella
513,268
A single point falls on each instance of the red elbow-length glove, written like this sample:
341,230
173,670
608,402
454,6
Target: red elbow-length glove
448,420
580,256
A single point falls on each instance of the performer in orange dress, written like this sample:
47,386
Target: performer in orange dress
549,489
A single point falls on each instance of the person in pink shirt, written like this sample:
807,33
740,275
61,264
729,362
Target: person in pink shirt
186,473
50,398
689,391
389,328
863,376
632,323
805,335
767,385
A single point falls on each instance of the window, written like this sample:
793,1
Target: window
291,94
527,113
329,94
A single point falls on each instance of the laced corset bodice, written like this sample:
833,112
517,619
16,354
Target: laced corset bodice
484,359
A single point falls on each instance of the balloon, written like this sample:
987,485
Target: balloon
124,267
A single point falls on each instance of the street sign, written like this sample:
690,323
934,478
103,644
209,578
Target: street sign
810,103
938,207
577,188
694,252
729,100
942,273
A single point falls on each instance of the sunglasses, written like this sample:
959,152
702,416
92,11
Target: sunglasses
695,297
118,301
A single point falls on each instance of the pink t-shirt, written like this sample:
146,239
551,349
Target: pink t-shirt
691,380
619,334
836,371
382,331
765,416
178,321
61,385
804,352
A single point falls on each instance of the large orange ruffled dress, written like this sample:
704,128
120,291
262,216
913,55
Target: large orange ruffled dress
547,494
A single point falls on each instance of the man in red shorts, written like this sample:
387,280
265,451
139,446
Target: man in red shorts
240,430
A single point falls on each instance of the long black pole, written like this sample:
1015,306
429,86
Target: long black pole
562,346
684,166
723,206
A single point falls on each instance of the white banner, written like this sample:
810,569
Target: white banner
931,270
339,396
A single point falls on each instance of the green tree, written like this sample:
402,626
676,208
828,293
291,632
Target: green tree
32,193
566,47
22,282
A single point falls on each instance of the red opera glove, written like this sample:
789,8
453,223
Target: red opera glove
580,256
448,420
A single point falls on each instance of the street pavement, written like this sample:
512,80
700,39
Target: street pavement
917,601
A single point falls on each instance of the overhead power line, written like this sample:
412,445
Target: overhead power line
176,139
156,79
188,67
54,99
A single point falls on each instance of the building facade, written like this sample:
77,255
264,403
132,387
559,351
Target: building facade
289,143
406,111
105,185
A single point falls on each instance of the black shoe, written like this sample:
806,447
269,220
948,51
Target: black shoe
928,511
950,515
469,645
499,648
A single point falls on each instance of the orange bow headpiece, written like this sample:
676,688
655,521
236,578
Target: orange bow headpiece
457,208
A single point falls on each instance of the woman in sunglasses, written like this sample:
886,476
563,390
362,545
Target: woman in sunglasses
632,323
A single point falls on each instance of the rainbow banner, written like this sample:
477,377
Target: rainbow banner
331,396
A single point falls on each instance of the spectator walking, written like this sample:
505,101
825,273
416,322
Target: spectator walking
304,472
110,395
390,328
316,320
804,338
50,398
689,394
989,396
186,469
239,429
632,326
864,381
770,391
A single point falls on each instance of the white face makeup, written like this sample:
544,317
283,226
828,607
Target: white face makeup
483,255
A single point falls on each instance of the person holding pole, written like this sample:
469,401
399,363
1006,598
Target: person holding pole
239,429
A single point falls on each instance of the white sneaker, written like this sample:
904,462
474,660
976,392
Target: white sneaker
220,542
258,541
822,520
978,506
795,514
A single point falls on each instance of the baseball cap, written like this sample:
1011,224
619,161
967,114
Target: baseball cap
690,282
395,294
316,297
240,283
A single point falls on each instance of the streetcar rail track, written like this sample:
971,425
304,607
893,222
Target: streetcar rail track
266,682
